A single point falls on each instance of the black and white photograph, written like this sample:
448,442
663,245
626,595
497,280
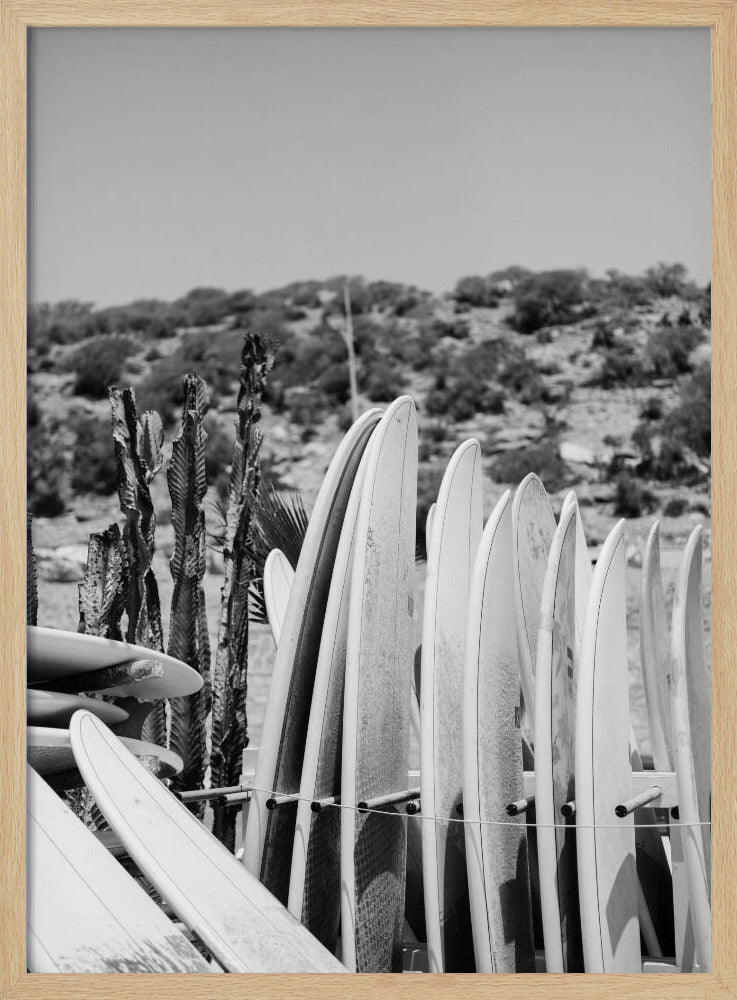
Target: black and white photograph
369,500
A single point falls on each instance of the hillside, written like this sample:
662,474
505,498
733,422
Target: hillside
600,385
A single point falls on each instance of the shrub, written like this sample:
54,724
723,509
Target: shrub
218,448
689,422
668,350
631,498
547,298
652,408
203,307
541,458
620,366
334,382
383,383
94,465
476,291
667,279
522,377
675,507
457,329
98,363
45,471
621,291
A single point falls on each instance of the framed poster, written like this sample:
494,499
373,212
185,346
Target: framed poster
313,92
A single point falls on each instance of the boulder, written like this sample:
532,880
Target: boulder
579,454
63,565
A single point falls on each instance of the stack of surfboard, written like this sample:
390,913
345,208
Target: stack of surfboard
531,838
527,752
65,668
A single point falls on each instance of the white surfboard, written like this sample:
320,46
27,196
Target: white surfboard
54,709
55,654
49,752
314,886
269,833
278,580
376,719
496,855
237,918
691,716
584,569
655,646
533,527
605,845
555,727
84,912
655,652
454,541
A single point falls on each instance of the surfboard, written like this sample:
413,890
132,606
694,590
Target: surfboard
54,654
84,912
376,719
655,645
605,845
555,726
655,653
51,708
49,752
533,527
278,580
691,714
584,570
314,886
269,833
238,919
454,541
496,855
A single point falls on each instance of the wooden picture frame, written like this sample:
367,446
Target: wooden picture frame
720,16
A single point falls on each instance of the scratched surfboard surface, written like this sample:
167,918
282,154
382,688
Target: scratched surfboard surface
605,847
376,721
269,835
496,845
555,726
452,546
314,888
84,911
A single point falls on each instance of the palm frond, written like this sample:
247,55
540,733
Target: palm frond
280,523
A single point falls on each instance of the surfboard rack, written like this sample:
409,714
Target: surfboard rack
384,802
629,805
208,794
520,806
317,805
282,799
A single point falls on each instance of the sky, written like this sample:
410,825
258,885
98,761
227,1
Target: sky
169,158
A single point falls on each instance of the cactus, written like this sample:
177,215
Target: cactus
229,720
31,582
138,450
103,588
188,636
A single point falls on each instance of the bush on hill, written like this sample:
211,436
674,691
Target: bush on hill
94,465
542,458
474,290
98,363
548,298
